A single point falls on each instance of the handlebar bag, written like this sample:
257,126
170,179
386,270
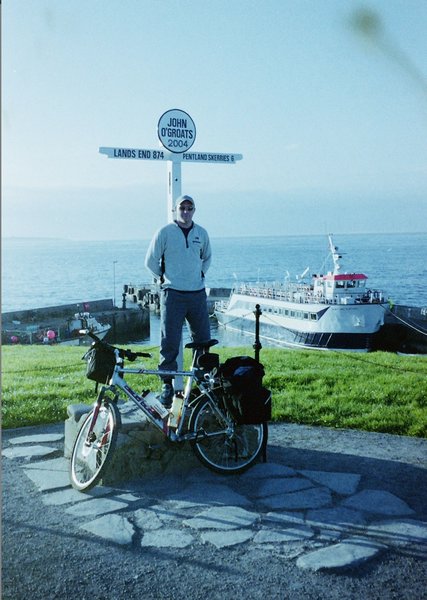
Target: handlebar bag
100,363
247,399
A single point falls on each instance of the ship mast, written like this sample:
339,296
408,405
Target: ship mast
335,255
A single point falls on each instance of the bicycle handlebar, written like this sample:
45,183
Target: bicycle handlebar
128,354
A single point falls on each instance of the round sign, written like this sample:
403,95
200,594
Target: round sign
176,130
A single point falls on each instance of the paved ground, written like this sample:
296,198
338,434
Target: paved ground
331,512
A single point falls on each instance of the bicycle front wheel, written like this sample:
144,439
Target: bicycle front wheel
225,448
94,447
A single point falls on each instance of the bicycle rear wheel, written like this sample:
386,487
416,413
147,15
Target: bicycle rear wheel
94,447
221,448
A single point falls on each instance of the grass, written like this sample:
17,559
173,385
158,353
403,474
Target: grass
374,392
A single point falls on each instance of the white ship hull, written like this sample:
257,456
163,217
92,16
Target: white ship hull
332,327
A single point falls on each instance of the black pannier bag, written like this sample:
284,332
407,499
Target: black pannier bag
247,399
101,361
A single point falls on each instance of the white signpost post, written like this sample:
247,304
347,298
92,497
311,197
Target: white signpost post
177,133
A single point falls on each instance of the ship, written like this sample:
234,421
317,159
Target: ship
332,311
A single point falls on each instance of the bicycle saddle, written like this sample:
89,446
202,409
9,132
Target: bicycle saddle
201,345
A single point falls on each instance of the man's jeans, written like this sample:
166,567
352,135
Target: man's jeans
175,308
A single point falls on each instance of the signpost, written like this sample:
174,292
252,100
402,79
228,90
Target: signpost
177,133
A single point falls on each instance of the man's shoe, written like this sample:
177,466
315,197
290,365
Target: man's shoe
166,395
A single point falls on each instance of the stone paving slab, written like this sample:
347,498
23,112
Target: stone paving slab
51,464
55,479
114,528
210,494
284,518
341,483
127,497
268,470
167,538
272,487
280,536
147,519
224,539
349,553
203,475
223,518
169,511
29,452
400,533
311,498
378,502
338,518
70,496
94,507
37,438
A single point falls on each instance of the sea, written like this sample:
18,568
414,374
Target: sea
38,273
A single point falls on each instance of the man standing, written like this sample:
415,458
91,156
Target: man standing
179,256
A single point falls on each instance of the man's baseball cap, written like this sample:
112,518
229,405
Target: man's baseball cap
183,199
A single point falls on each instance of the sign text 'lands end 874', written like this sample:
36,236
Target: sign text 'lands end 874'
162,155
176,131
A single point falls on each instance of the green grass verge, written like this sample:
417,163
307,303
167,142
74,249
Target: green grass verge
374,392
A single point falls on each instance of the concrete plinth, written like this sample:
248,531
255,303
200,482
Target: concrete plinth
141,448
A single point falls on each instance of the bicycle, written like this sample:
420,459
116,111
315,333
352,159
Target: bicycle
205,418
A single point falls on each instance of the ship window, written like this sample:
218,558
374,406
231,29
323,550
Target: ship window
351,283
286,312
313,316
292,313
340,284
305,315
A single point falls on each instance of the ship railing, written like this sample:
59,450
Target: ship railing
305,295
221,305
372,297
300,294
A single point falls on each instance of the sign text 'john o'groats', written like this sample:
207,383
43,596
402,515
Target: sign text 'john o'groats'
176,130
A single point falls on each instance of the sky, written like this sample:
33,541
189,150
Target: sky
325,99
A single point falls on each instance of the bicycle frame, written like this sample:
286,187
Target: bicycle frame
160,417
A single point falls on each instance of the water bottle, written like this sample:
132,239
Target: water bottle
152,400
176,410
